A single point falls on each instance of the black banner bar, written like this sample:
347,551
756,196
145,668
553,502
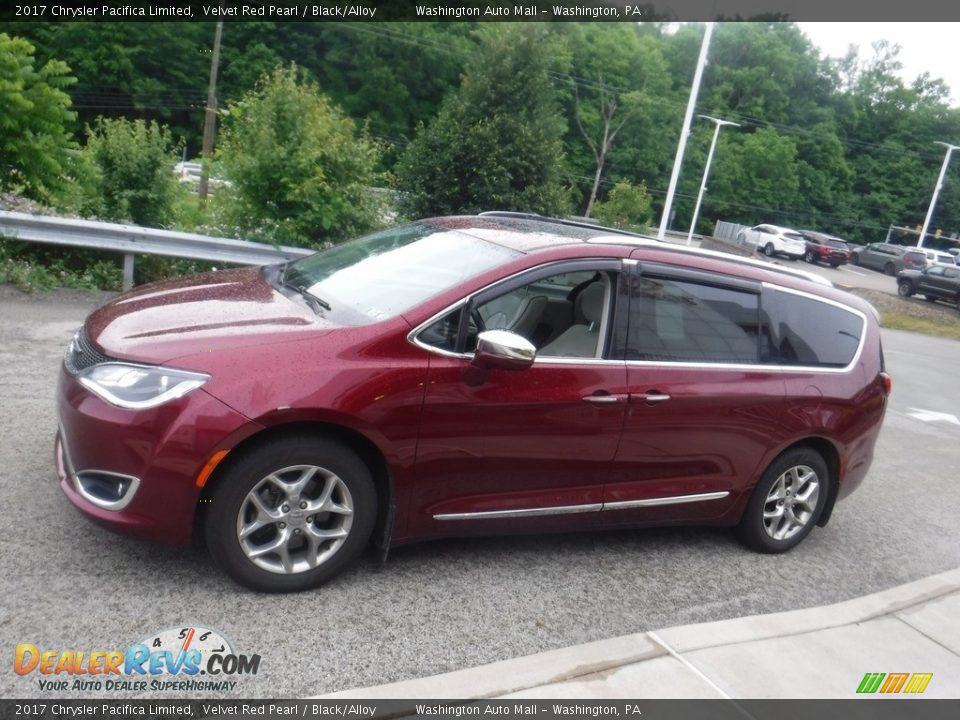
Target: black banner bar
473,11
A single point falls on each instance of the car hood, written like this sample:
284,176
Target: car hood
203,313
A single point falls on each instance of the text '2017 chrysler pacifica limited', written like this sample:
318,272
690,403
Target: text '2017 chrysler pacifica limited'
468,375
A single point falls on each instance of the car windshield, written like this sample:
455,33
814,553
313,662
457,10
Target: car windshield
917,256
382,275
838,244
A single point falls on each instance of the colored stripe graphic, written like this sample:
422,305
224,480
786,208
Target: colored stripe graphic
870,682
918,683
894,683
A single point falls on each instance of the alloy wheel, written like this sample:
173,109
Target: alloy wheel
791,502
295,519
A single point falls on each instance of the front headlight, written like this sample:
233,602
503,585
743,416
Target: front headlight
138,387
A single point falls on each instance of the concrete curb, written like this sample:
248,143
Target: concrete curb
589,668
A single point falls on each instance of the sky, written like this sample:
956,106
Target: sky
925,47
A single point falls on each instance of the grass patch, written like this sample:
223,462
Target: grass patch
902,321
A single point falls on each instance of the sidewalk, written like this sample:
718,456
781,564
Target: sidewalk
815,653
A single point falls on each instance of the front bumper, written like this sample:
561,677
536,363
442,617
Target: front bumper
134,471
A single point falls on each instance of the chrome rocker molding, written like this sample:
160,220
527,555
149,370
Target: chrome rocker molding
571,509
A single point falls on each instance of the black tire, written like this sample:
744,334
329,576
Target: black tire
810,257
351,488
930,298
904,289
753,529
834,266
768,250
890,269
854,259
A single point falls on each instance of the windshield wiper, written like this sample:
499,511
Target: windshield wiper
312,300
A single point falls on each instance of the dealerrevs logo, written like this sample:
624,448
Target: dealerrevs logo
190,659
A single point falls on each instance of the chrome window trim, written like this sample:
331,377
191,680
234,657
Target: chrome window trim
588,508
413,338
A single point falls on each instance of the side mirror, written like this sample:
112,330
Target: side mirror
502,350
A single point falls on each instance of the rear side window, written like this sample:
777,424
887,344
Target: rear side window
798,330
680,321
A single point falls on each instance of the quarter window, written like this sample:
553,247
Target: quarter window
803,331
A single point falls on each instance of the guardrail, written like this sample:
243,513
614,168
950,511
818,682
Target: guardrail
132,240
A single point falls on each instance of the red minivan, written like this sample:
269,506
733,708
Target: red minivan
498,373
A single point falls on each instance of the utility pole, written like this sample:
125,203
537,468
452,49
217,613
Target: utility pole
936,191
210,117
685,132
706,170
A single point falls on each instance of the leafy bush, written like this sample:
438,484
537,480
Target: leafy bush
134,160
298,172
34,119
627,207
35,268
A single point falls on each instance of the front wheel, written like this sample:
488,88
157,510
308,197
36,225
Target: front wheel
291,514
854,259
768,250
787,502
904,289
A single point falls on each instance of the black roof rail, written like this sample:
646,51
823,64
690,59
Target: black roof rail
557,221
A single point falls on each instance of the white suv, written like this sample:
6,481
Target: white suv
773,240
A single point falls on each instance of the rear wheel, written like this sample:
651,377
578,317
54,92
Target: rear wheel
810,257
787,502
904,289
291,514
889,269
768,250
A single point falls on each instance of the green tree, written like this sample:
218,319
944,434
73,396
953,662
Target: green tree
299,171
497,142
135,162
619,84
627,207
35,118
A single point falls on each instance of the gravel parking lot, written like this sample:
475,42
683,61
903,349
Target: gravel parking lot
435,607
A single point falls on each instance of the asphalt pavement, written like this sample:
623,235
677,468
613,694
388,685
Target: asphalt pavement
447,605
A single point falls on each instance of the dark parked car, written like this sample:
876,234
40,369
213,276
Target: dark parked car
827,249
888,258
937,282
463,376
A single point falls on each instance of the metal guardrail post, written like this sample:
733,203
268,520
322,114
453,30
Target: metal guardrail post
128,259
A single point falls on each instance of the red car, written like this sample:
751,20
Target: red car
468,375
827,249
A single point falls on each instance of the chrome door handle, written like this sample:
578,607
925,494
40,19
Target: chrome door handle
604,399
651,397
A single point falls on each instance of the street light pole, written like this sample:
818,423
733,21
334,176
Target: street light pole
718,123
687,119
936,191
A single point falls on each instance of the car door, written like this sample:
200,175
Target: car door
700,405
530,449
936,283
